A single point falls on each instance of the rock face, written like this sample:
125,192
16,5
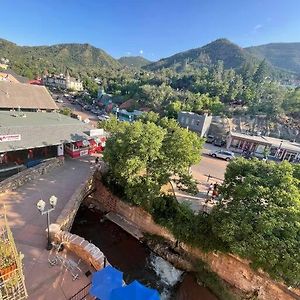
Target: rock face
283,128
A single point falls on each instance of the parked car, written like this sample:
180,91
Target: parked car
59,101
86,121
210,139
103,117
227,155
219,142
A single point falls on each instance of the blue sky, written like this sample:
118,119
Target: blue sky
152,28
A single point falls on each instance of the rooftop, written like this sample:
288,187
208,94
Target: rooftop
25,96
39,129
292,146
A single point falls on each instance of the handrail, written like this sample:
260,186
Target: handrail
81,294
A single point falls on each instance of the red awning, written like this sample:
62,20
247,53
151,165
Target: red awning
93,143
78,144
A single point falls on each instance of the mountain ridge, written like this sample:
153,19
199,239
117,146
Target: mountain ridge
134,61
82,57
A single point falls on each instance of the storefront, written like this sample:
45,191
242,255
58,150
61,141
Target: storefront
27,139
261,146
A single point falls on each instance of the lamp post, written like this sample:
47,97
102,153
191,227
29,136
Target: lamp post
41,205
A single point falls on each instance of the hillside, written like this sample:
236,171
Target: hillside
231,54
281,55
134,61
35,60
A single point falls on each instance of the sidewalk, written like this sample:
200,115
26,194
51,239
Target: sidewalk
28,227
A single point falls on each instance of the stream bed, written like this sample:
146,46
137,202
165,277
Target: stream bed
136,260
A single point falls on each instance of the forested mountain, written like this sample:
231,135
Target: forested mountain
231,54
31,61
281,55
134,61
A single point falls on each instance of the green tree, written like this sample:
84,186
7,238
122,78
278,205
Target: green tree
261,220
261,73
143,156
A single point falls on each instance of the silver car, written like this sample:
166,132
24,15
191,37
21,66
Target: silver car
224,154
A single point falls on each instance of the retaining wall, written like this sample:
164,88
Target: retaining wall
27,175
88,252
67,215
237,272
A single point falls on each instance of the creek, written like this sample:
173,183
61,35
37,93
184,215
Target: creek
136,260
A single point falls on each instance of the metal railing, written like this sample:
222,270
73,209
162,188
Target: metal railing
12,285
83,293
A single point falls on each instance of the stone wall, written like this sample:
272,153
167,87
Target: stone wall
27,175
88,252
67,215
237,272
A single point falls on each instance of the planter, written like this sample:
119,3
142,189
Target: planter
6,272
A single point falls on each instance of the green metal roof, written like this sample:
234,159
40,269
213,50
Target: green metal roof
39,129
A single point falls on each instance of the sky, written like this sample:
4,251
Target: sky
151,28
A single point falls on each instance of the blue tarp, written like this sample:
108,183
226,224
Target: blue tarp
134,291
104,281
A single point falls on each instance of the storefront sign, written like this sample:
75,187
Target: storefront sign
84,152
10,138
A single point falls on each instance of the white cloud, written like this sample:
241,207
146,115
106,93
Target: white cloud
257,27
141,51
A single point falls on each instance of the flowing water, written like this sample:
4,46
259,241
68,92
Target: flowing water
136,260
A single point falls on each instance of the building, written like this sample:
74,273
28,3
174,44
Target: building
63,82
260,145
27,97
195,122
10,75
27,138
127,116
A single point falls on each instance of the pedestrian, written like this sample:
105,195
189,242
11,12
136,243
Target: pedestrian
97,160
215,187
210,188
215,194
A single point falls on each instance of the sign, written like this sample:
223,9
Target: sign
10,138
60,150
84,152
96,132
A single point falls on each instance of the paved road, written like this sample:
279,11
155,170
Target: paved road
207,166
29,226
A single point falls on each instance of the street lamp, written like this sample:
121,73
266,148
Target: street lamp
41,207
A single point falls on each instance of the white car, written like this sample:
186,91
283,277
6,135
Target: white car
86,121
103,117
224,154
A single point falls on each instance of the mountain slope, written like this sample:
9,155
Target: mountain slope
134,61
77,57
281,55
232,55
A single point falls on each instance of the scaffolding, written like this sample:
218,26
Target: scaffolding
12,283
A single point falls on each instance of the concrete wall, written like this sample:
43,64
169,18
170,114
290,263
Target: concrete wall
27,175
195,122
237,272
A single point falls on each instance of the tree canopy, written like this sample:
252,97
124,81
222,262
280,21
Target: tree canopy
143,156
261,221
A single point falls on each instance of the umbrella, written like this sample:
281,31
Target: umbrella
104,281
134,291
